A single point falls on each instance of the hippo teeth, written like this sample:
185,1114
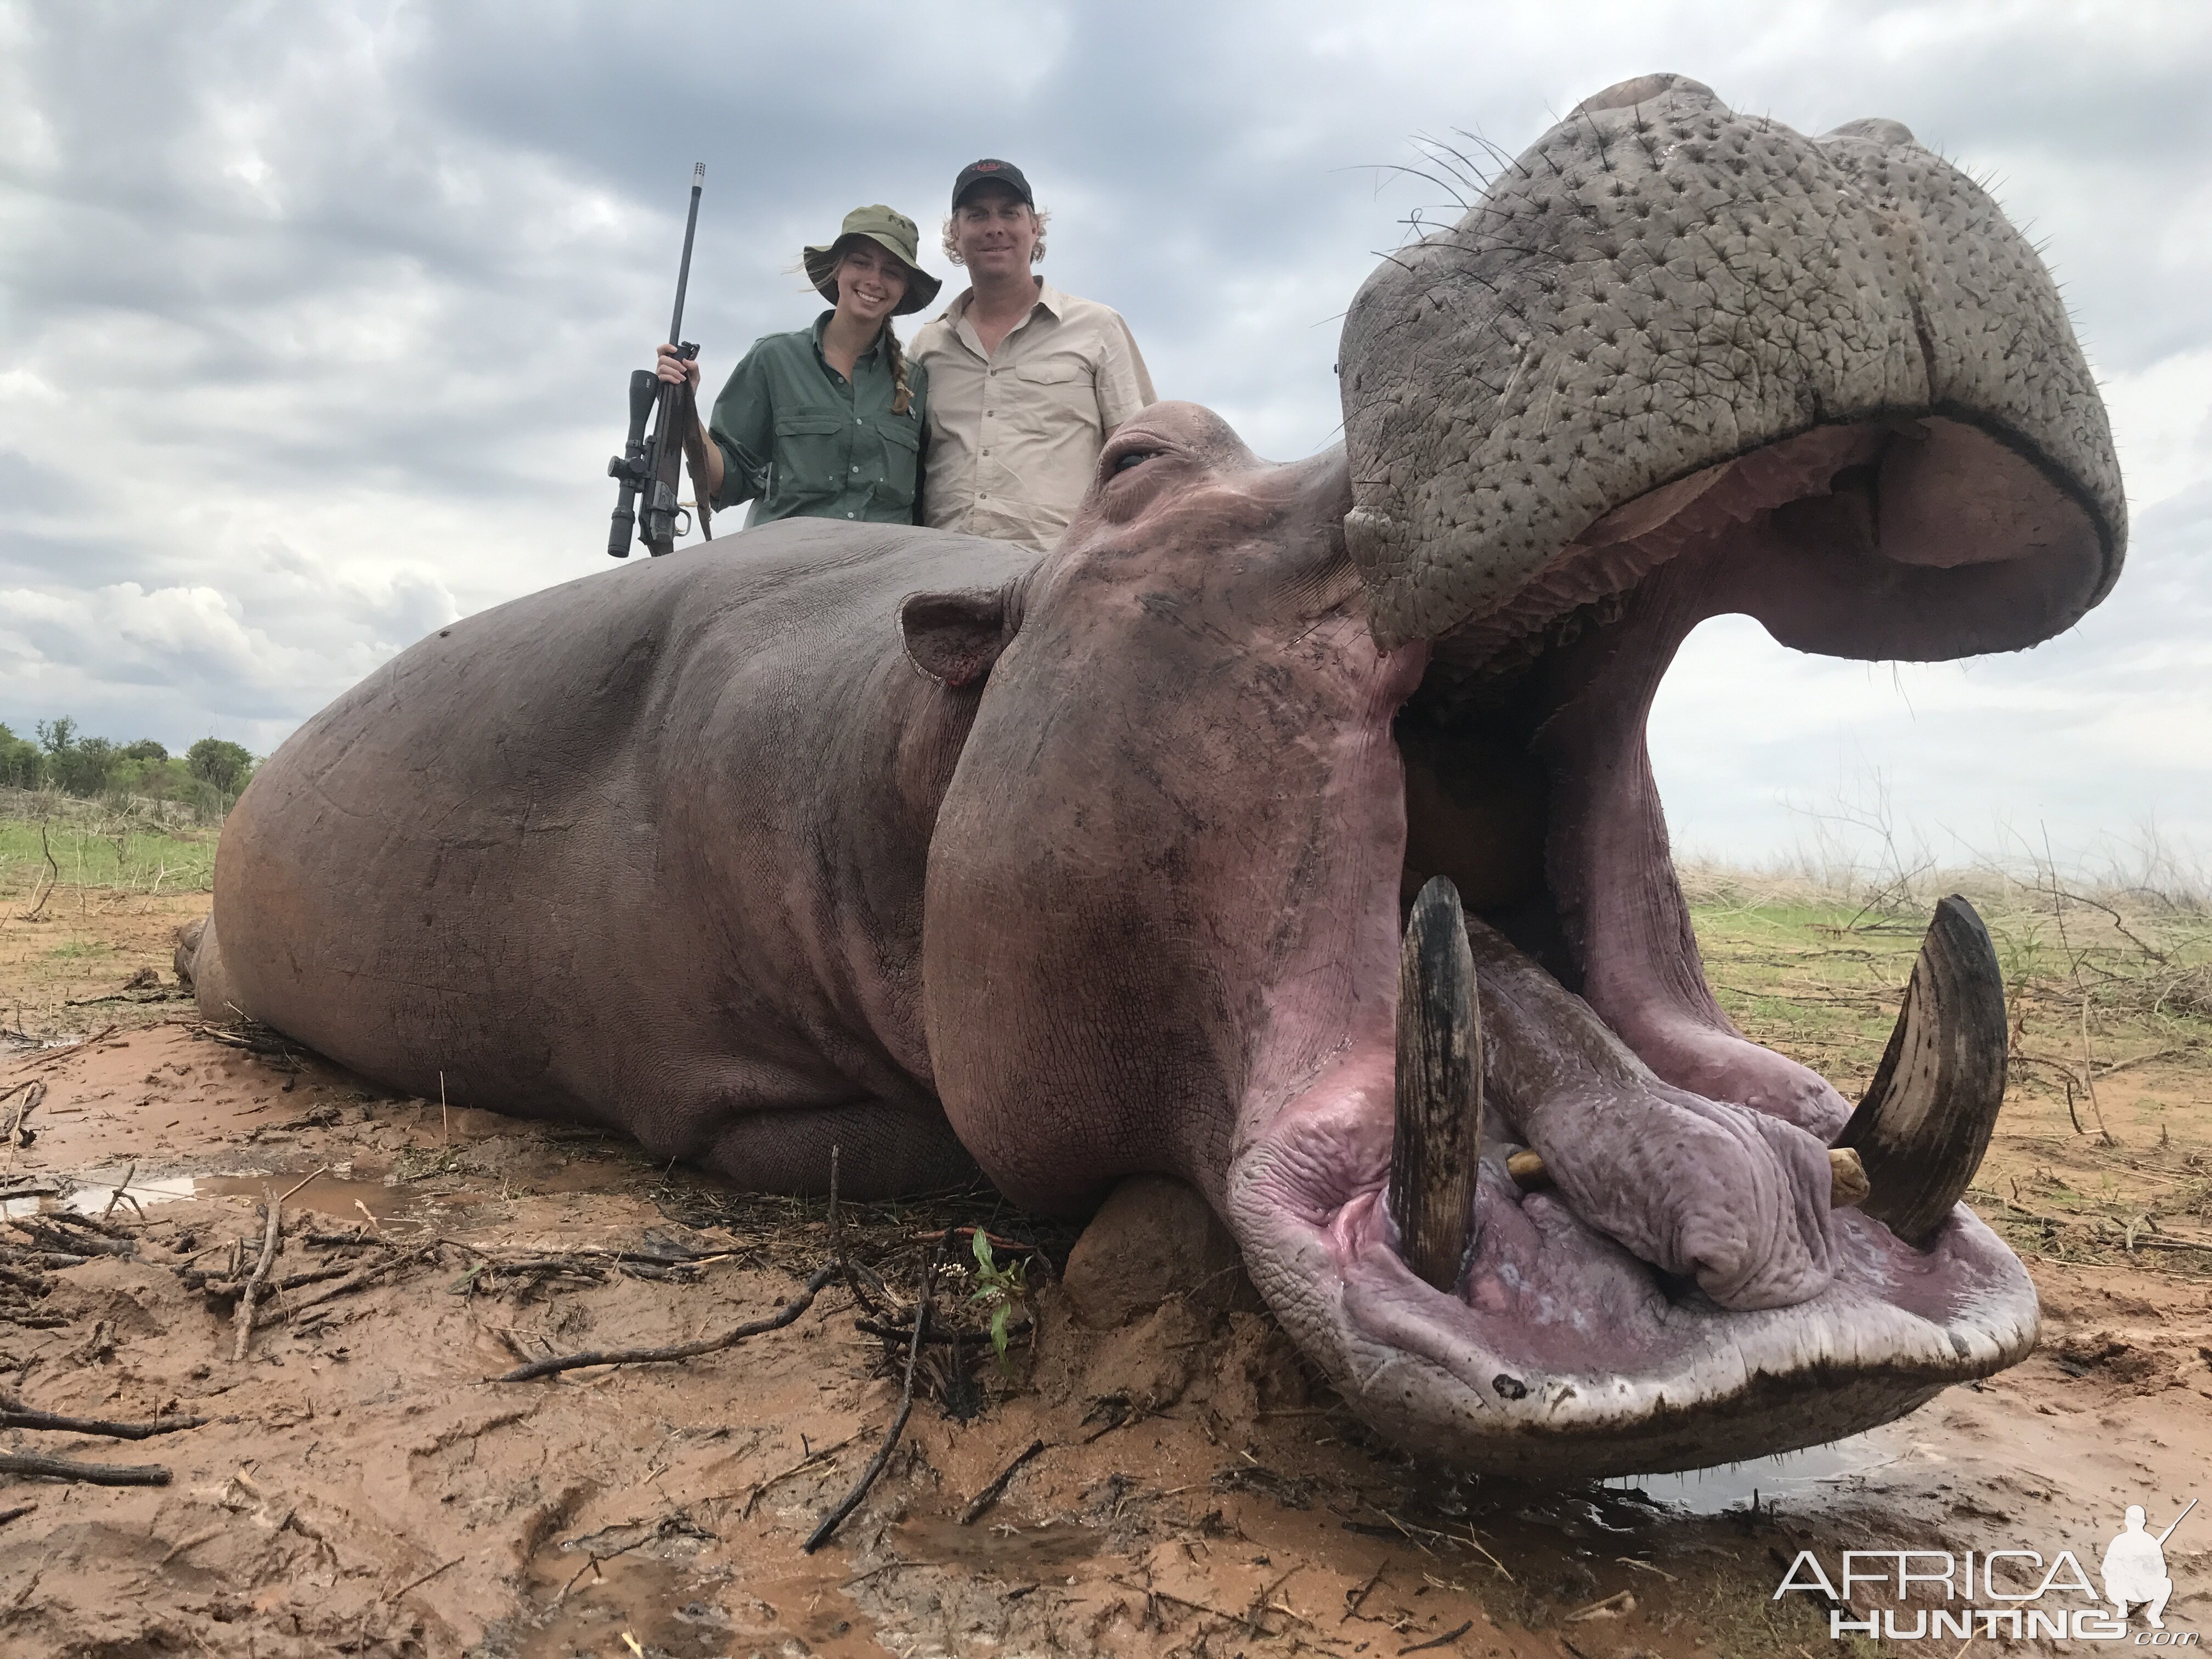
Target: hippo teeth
1439,1128
1925,1121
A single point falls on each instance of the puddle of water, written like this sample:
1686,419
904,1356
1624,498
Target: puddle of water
342,1193
1817,1472
940,1538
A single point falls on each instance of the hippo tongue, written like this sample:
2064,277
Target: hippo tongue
1735,1198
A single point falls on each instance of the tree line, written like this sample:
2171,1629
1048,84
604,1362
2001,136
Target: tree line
207,777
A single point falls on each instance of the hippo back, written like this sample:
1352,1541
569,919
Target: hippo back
645,848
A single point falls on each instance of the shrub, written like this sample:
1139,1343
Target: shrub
21,765
224,764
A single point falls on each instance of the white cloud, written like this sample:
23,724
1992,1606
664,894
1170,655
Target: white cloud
317,317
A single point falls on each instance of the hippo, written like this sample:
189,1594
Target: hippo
1289,830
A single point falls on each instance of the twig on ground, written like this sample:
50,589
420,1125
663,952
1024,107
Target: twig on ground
837,1243
15,1514
17,1417
898,1334
297,1185
53,880
116,1196
806,1462
50,1231
1206,1608
355,1281
835,1518
1438,1641
243,1319
992,1493
416,1583
35,1092
783,1316
96,1474
55,1056
1354,1599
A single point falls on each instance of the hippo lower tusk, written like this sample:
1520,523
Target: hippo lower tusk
1433,1161
1847,1177
1925,1121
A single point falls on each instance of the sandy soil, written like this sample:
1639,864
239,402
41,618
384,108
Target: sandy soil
361,1486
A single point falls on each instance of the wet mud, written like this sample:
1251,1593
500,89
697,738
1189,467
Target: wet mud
361,1486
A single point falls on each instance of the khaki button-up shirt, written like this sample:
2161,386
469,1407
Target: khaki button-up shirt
1014,434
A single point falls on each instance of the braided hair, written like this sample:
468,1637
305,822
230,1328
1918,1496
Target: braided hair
902,395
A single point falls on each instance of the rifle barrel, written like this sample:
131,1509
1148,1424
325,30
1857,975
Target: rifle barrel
684,270
2178,1520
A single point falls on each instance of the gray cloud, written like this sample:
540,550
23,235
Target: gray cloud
318,317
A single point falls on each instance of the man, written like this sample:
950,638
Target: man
1025,382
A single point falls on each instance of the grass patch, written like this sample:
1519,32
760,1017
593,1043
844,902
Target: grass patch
2104,1149
102,852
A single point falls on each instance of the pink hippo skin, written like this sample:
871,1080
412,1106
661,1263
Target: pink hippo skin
1069,868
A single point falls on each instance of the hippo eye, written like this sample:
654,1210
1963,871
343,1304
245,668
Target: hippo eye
1128,458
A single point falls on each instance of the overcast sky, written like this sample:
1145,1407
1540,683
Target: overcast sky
315,319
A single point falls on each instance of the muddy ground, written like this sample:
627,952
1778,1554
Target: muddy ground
360,1486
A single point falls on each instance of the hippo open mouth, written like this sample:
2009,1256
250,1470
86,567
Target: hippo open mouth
1680,1285
1678,1276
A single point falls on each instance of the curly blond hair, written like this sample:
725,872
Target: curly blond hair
952,248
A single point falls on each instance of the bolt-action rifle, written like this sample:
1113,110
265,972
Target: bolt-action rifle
651,467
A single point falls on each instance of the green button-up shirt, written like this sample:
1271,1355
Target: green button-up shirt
802,441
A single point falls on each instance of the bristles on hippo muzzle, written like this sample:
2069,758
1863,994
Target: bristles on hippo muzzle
1660,285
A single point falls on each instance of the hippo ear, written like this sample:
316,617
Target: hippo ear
954,638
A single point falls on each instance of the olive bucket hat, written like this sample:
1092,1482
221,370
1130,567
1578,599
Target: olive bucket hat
893,231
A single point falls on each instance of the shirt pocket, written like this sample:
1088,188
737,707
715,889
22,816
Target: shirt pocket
1054,390
902,436
810,459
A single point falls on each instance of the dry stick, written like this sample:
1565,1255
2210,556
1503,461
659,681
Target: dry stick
15,1514
992,1493
32,1095
52,881
1355,1599
296,1186
416,1583
96,1474
1437,1642
784,1315
116,1196
806,1462
243,1319
17,1418
353,1281
838,1243
835,1518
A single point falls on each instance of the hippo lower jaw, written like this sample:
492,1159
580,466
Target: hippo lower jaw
1684,1296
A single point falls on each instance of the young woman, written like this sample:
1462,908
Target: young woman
827,422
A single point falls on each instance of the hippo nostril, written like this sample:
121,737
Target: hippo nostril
1875,129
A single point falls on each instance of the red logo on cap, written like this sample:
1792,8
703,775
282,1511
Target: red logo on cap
986,167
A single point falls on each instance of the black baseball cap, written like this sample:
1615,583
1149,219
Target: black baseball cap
988,171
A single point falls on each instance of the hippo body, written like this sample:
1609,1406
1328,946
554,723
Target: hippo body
952,857
644,850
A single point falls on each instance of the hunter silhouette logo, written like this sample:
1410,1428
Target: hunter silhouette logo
2014,1593
2134,1567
